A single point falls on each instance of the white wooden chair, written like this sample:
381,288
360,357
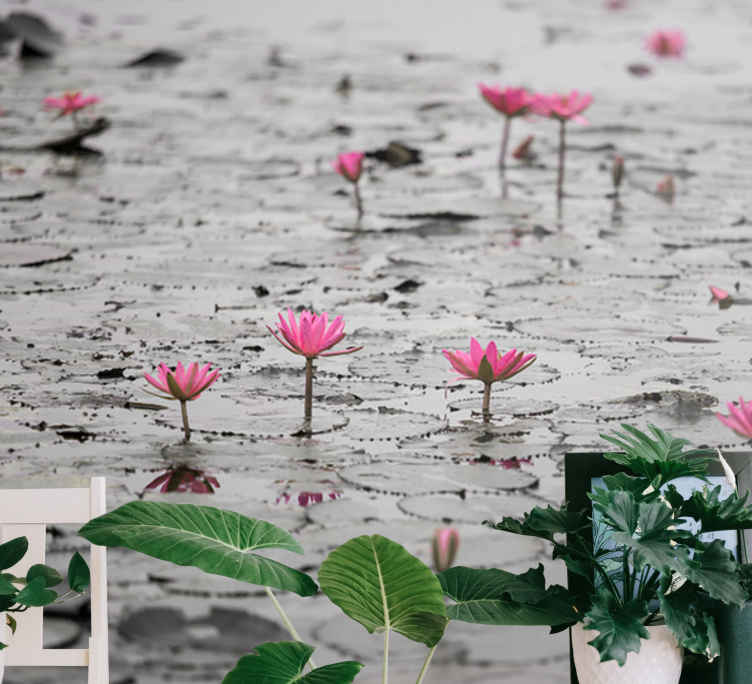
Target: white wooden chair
26,513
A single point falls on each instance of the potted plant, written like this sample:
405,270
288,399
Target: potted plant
34,589
650,579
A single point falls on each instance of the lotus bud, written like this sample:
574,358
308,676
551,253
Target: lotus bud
446,542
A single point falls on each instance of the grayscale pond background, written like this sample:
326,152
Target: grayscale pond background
214,206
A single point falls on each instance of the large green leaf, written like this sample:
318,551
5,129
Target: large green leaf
13,551
283,662
544,523
693,627
35,593
620,626
645,528
378,583
497,597
714,569
216,541
659,458
714,513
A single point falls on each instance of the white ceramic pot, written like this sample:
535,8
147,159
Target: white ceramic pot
659,660
5,639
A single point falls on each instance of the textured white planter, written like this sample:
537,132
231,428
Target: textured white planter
658,662
5,639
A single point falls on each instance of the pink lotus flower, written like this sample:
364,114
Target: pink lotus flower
184,479
446,542
310,337
666,43
488,365
739,418
70,103
563,106
183,384
350,166
720,297
509,101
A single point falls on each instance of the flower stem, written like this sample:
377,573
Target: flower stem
562,148
309,386
286,620
358,200
426,663
385,673
74,119
503,156
186,427
486,402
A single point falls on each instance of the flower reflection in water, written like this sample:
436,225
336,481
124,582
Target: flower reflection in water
182,478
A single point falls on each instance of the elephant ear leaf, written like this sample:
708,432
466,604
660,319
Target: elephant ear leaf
213,540
283,662
376,582
496,597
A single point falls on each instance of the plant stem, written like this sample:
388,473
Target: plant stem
309,387
286,620
427,661
562,147
503,156
358,200
486,402
74,119
186,427
385,672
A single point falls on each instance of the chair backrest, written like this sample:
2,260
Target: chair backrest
26,513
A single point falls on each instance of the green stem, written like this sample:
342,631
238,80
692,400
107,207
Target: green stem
186,427
358,200
562,148
426,663
487,402
385,672
308,388
503,156
628,587
286,620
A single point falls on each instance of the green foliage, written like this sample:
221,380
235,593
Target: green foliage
712,512
215,541
640,550
283,663
620,626
661,458
376,582
13,551
79,577
693,627
35,593
50,576
496,597
544,523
